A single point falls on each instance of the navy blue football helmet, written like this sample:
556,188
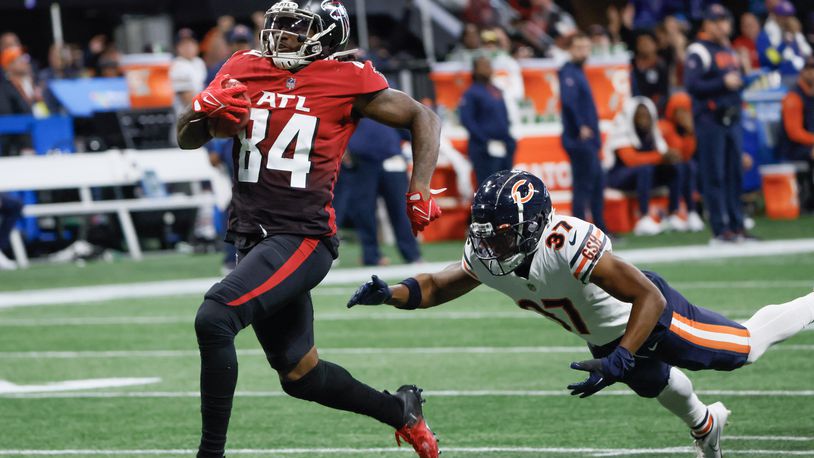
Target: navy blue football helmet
509,213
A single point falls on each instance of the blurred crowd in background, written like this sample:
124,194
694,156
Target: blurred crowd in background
654,36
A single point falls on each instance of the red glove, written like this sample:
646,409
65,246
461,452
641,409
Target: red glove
421,212
226,103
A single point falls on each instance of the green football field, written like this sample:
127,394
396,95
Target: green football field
495,376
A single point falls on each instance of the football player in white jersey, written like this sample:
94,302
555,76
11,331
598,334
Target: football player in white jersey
639,329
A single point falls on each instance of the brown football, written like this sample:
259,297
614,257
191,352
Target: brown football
219,127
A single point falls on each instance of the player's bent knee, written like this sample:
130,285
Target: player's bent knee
309,386
212,322
303,367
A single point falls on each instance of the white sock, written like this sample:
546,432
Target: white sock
679,398
776,323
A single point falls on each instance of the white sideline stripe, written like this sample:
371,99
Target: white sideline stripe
331,351
435,394
258,352
770,438
462,450
344,316
188,319
63,296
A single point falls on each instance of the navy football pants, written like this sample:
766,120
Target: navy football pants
688,337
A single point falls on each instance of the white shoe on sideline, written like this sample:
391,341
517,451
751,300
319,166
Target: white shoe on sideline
748,223
6,263
675,223
709,446
694,222
647,226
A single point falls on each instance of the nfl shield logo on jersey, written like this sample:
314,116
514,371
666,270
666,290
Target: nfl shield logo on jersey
291,83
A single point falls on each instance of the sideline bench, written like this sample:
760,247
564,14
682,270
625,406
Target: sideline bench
110,169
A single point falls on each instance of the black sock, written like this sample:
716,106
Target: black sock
218,377
332,386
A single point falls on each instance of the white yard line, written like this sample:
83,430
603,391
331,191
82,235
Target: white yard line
429,394
595,452
327,316
61,296
770,438
258,352
577,349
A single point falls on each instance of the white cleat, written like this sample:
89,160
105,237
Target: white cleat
6,263
676,224
694,221
709,446
647,226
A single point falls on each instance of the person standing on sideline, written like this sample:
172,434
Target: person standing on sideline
485,116
379,169
580,135
11,210
188,70
713,80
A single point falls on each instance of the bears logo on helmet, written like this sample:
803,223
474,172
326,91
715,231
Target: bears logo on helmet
509,213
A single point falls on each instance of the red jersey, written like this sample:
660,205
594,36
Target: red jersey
286,162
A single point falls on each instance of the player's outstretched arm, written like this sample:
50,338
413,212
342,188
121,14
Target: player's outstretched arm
422,291
397,109
627,283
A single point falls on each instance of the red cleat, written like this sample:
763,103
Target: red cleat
415,431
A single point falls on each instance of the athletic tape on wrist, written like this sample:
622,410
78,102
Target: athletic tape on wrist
414,299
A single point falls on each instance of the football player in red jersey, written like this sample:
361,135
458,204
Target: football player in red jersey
303,105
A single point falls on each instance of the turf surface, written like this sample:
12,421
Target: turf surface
164,266
478,343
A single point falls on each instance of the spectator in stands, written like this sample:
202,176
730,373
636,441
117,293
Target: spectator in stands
188,71
796,139
496,46
60,66
642,160
781,45
9,40
469,45
379,169
673,41
108,64
11,209
679,134
746,43
484,114
713,78
649,73
17,97
239,39
214,45
601,45
620,25
481,13
581,138
17,90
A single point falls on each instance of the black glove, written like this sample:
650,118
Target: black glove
374,292
603,372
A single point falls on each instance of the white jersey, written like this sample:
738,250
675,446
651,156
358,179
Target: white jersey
559,285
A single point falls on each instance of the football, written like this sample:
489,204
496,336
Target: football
220,127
